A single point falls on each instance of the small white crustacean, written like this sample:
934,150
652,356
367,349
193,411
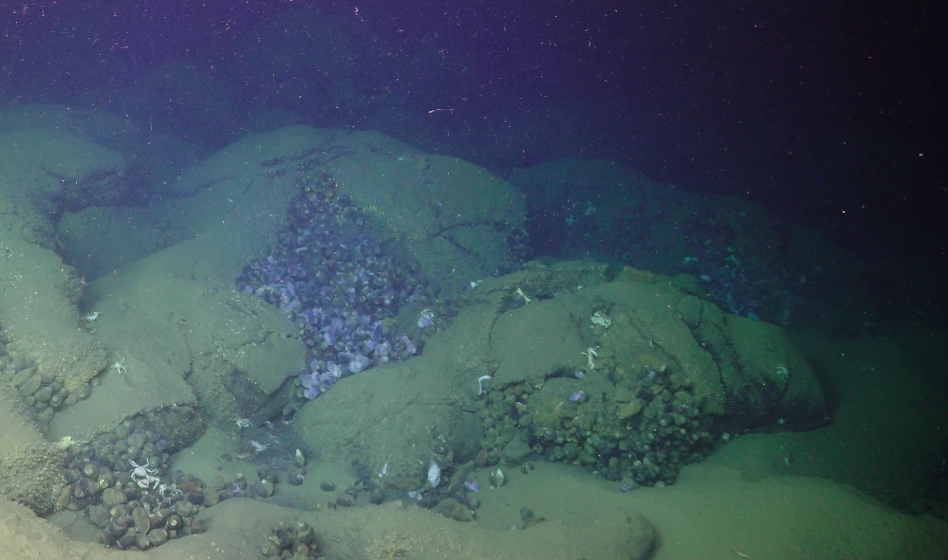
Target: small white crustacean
242,423
85,322
590,354
258,447
119,366
144,476
168,490
425,319
599,319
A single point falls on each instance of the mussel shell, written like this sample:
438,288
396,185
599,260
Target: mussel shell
107,539
265,473
159,517
98,516
174,522
497,478
84,488
110,461
118,526
72,475
296,479
196,498
126,541
131,491
112,497
142,542
304,533
281,538
90,470
158,536
185,508
264,488
106,479
376,497
141,519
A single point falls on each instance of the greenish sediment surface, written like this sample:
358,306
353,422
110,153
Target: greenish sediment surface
156,357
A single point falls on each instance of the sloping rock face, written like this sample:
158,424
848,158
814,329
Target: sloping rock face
634,376
162,325
637,378
30,467
170,327
42,172
643,325
166,327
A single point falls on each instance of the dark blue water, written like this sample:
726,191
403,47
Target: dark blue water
820,112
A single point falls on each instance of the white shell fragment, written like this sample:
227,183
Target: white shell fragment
434,475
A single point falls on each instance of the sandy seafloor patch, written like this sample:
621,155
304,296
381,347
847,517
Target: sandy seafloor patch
710,514
743,501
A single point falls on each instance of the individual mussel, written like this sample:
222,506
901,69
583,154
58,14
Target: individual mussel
119,525
142,541
106,479
264,488
185,508
265,473
270,550
98,516
72,475
141,519
113,496
85,488
90,470
174,522
281,537
131,491
159,517
158,536
126,541
304,533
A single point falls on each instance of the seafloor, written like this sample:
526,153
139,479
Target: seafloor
630,414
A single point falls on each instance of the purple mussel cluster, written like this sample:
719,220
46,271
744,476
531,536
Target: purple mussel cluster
335,282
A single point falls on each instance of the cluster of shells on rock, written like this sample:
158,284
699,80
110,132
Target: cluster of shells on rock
641,431
338,286
99,481
453,496
145,522
294,541
44,393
